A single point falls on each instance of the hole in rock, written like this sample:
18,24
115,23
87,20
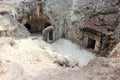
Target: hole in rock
51,35
28,26
91,43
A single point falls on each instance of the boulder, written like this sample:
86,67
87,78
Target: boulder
10,27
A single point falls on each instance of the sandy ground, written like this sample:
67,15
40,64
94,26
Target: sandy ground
32,57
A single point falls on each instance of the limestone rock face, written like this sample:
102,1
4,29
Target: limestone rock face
69,16
12,28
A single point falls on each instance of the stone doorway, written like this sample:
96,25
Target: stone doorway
91,43
49,34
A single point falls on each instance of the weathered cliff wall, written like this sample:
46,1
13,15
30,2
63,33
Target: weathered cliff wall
69,15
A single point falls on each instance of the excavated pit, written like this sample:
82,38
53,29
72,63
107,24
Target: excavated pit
20,59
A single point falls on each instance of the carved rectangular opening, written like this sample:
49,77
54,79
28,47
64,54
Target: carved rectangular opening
91,43
51,35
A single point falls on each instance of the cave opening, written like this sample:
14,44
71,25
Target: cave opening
91,43
51,35
28,26
47,24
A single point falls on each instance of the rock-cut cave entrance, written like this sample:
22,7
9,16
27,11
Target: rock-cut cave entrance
28,26
35,23
47,24
50,35
91,43
39,25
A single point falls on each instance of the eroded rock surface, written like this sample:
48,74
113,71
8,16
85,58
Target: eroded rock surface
69,16
12,28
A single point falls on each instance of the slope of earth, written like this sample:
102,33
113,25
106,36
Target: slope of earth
98,69
30,57
26,57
